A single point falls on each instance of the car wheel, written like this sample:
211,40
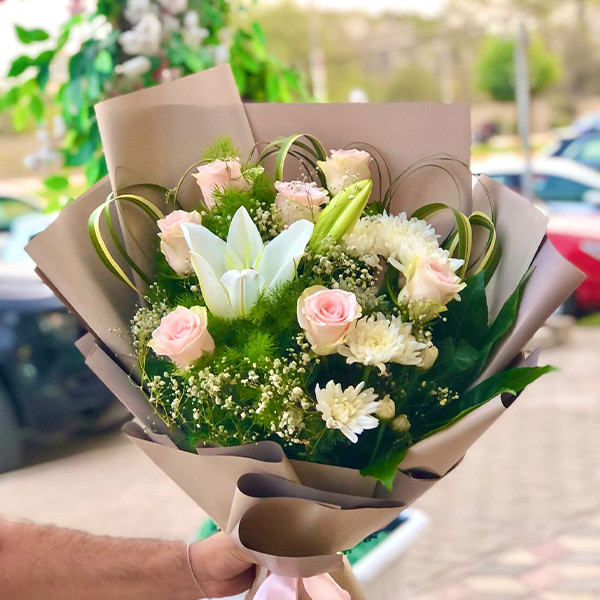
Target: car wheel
11,439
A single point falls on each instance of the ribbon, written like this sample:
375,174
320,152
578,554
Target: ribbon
319,587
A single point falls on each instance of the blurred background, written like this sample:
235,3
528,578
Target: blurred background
521,517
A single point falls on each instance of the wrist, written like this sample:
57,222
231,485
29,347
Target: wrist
193,549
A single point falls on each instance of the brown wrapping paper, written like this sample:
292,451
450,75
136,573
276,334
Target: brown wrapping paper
519,224
65,255
552,281
402,133
155,134
293,517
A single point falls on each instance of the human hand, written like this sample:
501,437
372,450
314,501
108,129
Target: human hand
221,567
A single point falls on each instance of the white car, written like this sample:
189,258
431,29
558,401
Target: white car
566,186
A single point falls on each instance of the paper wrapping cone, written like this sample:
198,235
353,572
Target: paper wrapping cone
519,225
256,497
155,134
64,254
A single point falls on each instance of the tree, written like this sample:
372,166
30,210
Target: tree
133,44
495,69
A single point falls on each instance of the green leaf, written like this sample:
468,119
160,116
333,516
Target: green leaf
43,58
385,470
272,87
20,116
511,381
19,65
43,76
56,182
95,169
467,319
11,97
104,62
505,319
27,36
194,62
37,107
465,356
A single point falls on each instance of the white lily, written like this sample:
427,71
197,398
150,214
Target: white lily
233,273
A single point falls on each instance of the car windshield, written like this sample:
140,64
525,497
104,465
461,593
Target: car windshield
585,150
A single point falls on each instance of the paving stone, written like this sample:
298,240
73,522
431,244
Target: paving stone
543,578
549,549
580,543
499,568
522,558
496,584
568,596
592,557
580,571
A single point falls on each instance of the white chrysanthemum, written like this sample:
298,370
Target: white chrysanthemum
393,235
375,341
349,410
405,238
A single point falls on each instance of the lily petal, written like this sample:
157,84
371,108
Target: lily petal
244,239
243,288
207,245
278,261
214,294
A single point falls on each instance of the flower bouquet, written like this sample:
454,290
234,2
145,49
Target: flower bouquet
308,339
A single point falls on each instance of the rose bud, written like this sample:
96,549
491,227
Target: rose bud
172,242
345,167
219,175
299,200
434,280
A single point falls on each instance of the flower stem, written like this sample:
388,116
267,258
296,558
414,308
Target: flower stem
377,443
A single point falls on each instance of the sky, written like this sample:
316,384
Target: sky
49,14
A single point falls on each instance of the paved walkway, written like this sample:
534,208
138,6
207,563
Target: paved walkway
530,485
565,566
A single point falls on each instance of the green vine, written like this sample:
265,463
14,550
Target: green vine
101,68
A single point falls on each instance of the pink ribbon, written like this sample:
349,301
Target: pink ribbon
319,587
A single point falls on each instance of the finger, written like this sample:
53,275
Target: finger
219,558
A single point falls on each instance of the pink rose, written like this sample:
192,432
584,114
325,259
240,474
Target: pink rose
299,200
434,280
182,336
172,242
327,317
345,167
218,175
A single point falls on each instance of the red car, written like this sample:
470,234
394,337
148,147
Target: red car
577,238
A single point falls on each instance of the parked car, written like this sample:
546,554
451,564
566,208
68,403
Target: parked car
46,390
11,208
563,184
583,148
577,238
